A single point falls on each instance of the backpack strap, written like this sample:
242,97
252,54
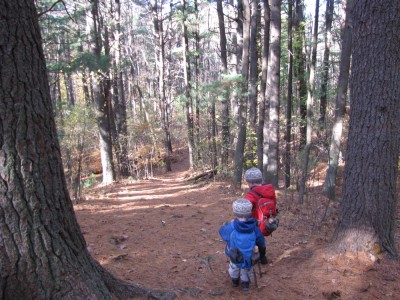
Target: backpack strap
255,193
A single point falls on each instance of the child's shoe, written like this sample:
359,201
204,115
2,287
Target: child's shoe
235,282
264,260
245,286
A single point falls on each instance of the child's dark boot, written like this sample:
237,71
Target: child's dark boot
263,257
245,286
235,282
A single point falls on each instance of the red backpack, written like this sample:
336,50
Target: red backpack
265,211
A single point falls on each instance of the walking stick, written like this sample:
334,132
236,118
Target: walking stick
255,278
259,268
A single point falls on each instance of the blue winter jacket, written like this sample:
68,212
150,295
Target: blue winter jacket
242,227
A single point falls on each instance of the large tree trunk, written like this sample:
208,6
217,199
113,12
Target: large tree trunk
274,62
340,105
241,140
368,207
43,254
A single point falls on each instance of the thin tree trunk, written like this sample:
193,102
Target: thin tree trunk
197,84
305,157
120,107
241,140
188,88
263,117
271,176
225,97
340,105
102,103
325,64
160,58
253,75
301,85
237,42
288,134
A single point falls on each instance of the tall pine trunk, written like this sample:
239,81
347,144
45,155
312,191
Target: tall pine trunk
305,155
340,105
325,63
242,113
274,62
101,100
288,135
188,87
263,116
225,103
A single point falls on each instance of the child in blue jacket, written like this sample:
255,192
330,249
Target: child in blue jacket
241,236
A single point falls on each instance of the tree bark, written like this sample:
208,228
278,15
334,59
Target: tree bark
188,87
301,85
43,254
368,207
325,64
305,157
340,105
274,62
158,28
102,101
263,117
120,101
288,134
241,140
225,97
253,73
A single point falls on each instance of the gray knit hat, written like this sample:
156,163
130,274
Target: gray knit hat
242,208
253,175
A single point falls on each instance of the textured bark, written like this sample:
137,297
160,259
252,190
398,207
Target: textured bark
301,85
305,157
274,62
43,254
253,75
368,207
101,100
242,114
325,64
120,100
225,97
188,87
263,116
288,135
238,46
340,105
158,27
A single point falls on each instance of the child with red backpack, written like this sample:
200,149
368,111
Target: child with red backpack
241,236
263,198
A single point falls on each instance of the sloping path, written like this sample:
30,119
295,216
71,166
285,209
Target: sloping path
163,233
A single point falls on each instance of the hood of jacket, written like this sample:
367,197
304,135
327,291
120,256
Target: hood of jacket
245,226
266,190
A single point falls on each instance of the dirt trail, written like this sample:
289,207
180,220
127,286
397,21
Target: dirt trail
163,233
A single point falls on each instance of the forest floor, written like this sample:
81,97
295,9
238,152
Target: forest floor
162,233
